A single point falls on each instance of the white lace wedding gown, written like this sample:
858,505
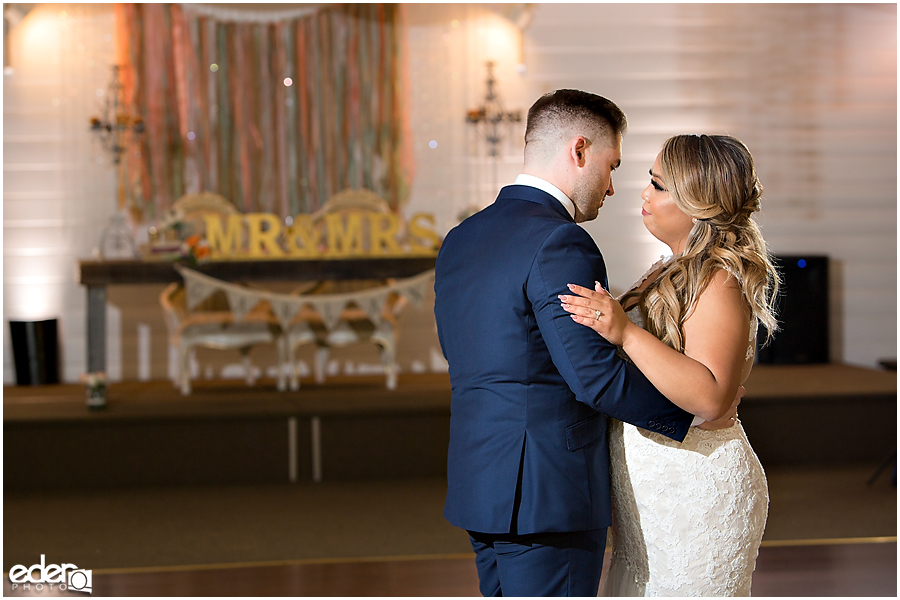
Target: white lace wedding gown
687,518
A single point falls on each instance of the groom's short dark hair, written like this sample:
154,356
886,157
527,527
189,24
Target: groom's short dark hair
570,110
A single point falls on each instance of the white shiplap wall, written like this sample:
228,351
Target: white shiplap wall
448,47
57,182
811,88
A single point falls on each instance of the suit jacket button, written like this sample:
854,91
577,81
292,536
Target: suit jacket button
651,424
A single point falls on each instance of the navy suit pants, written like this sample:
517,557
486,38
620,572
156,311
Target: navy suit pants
540,564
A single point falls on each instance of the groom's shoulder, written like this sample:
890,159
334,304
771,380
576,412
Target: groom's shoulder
509,215
567,234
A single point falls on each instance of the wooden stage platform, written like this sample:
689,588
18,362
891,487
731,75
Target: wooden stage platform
352,428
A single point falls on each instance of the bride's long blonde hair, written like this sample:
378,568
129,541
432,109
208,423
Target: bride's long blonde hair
712,179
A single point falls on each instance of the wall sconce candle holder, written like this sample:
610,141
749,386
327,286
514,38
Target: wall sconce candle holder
112,129
491,115
115,123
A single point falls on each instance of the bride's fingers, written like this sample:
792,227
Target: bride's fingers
589,320
584,321
601,290
577,310
596,303
588,314
582,291
583,307
576,301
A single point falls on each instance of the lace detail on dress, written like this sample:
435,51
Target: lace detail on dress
751,347
687,518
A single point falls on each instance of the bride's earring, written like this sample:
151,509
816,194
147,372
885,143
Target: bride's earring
694,220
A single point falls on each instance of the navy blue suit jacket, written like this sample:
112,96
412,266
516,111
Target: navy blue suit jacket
530,387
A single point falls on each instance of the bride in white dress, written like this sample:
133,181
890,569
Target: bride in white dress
689,518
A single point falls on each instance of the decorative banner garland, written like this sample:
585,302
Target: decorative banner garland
241,300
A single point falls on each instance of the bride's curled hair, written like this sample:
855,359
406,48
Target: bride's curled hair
711,178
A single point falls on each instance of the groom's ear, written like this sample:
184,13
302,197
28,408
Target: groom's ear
577,148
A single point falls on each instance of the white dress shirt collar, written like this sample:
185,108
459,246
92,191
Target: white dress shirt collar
546,186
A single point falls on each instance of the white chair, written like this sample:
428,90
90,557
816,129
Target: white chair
212,325
354,326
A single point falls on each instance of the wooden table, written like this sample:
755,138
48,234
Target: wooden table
96,275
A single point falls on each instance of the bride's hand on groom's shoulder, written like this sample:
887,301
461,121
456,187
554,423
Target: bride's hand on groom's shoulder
598,310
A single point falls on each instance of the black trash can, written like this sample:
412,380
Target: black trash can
36,351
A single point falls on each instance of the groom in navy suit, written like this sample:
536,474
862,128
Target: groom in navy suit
528,464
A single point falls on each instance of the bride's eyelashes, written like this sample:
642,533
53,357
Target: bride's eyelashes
655,185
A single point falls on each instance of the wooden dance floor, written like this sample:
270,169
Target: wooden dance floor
813,568
353,429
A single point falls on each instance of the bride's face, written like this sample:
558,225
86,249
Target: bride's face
661,214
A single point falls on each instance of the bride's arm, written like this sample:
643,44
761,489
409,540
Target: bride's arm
705,379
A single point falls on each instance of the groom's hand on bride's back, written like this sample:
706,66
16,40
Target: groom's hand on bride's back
730,417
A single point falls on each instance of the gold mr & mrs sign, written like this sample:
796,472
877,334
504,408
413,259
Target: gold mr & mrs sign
353,223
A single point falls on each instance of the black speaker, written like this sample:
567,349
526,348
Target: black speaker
802,312
36,351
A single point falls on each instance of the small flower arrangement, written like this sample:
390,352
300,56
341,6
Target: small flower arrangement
94,380
195,249
94,389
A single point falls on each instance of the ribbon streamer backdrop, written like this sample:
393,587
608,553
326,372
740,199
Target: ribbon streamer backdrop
219,116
